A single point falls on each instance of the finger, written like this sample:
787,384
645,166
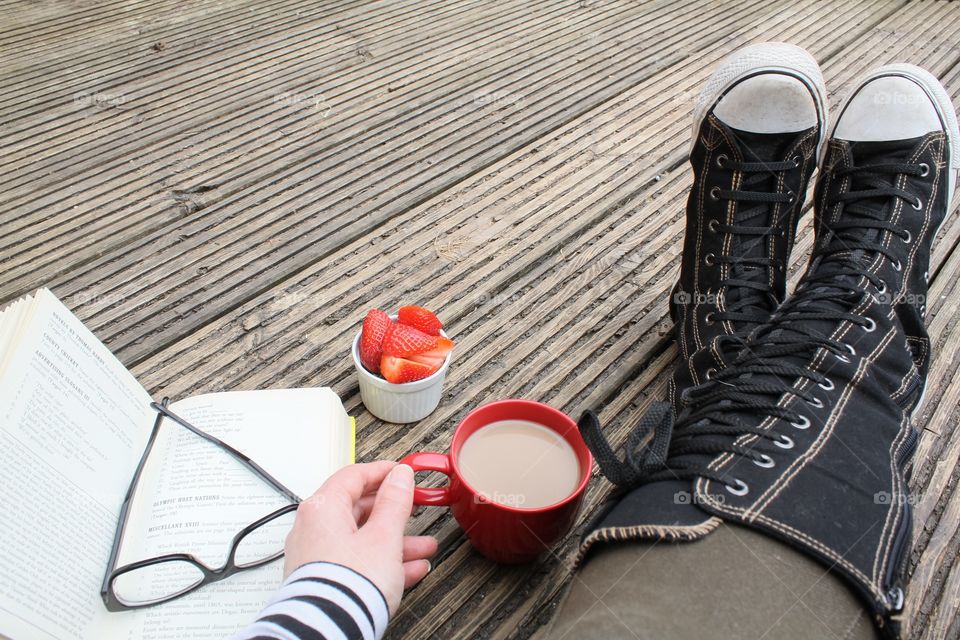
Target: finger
414,572
418,547
356,480
363,507
393,504
334,502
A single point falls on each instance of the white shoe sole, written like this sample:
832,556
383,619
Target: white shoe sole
766,57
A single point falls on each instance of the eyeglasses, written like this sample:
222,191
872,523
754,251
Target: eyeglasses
156,580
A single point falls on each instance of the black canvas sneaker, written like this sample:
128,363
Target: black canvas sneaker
758,129
807,434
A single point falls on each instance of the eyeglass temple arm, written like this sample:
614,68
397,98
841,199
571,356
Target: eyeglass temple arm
243,459
125,507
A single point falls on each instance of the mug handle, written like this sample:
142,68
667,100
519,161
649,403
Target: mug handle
428,461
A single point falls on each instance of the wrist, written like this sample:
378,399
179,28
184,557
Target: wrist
325,579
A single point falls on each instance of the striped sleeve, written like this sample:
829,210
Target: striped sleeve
321,601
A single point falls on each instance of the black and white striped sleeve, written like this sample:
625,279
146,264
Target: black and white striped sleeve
321,601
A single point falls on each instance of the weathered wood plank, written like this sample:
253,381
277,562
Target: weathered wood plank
264,238
563,249
113,46
115,173
453,571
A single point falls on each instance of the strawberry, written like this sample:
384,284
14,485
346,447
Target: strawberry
435,357
402,341
375,327
420,318
400,370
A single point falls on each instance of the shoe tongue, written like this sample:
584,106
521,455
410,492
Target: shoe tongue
862,154
764,147
756,147
874,153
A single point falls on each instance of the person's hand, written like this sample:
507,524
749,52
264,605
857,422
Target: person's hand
357,519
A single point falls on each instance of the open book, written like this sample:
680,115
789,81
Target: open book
73,426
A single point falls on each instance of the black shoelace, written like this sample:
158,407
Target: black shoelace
777,355
749,299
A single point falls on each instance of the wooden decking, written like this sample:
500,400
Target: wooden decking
220,190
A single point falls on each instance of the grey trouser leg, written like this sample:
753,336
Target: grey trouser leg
734,583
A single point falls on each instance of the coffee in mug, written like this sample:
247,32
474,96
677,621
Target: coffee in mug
503,453
519,463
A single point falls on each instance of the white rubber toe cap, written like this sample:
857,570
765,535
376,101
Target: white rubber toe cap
768,103
888,108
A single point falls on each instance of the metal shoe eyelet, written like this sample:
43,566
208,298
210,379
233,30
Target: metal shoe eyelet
895,599
841,357
803,424
870,325
785,442
816,403
740,489
918,205
792,196
882,289
924,169
709,259
849,347
715,193
710,373
713,225
926,277
721,159
826,384
765,461
906,238
897,266
796,160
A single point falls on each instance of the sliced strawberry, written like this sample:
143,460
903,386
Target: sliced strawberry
402,341
375,327
435,356
420,318
400,370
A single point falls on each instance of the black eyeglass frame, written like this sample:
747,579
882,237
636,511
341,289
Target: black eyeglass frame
210,575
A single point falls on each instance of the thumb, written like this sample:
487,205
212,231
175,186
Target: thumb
393,503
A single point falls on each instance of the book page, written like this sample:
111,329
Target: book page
73,423
194,497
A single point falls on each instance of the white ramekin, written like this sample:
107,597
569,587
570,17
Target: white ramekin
399,403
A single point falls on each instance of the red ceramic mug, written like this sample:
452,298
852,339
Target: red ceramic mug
503,533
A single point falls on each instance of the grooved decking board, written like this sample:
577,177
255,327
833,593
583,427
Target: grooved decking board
263,320
548,237
462,561
244,242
